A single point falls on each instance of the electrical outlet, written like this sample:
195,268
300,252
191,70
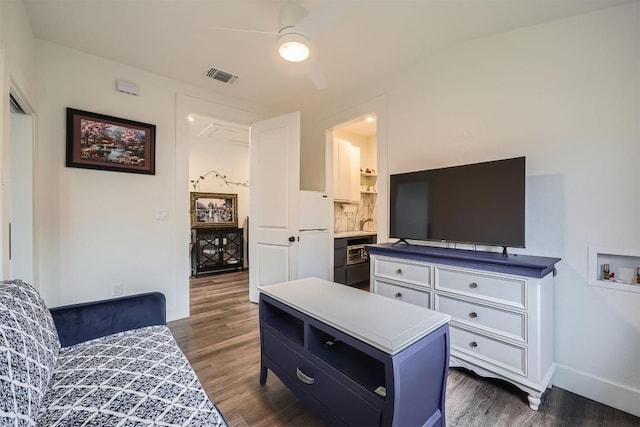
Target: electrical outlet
117,289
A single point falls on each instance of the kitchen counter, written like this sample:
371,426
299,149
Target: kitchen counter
344,234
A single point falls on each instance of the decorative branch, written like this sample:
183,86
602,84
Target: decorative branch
196,182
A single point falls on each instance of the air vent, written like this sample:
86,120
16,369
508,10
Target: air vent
221,76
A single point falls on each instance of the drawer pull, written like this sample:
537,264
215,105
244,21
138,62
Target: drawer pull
304,378
399,295
473,344
473,314
399,271
473,285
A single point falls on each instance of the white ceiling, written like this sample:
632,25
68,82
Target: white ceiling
374,39
361,126
217,130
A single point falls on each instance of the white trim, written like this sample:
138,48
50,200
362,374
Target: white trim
616,395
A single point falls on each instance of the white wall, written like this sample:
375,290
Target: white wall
566,95
96,228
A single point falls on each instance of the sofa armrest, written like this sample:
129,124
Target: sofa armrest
78,323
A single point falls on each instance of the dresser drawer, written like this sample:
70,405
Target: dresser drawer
496,352
507,323
401,293
313,379
404,271
499,289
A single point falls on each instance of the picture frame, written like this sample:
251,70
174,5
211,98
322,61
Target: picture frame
101,142
210,210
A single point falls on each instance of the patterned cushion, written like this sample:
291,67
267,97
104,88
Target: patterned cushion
132,378
29,348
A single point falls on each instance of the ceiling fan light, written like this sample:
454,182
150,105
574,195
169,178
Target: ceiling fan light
293,47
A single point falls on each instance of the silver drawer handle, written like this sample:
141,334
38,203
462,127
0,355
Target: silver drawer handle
399,295
473,285
473,344
473,314
399,271
304,378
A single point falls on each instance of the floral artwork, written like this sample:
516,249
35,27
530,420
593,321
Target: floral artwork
96,141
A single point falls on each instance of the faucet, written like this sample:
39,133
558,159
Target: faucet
363,221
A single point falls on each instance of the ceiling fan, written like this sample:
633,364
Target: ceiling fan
296,27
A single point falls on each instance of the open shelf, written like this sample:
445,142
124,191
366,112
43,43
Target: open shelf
623,262
361,367
283,322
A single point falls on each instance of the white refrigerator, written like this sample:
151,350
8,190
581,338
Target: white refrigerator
314,245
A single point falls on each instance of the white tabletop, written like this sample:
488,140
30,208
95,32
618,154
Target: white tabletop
382,322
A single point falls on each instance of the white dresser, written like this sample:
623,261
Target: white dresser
501,307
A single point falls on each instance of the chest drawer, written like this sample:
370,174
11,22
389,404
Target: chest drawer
401,293
313,379
498,289
404,271
507,323
496,352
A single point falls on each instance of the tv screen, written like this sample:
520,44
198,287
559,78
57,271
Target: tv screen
481,203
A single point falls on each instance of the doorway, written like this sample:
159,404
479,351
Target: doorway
218,167
355,176
187,106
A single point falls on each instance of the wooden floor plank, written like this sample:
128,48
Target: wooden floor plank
222,342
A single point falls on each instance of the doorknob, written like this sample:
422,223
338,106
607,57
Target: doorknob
292,239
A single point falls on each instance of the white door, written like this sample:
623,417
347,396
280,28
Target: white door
21,264
273,200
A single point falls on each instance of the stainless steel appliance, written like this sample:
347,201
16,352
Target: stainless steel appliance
356,254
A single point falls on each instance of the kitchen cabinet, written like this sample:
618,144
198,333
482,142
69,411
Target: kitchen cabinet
346,172
340,260
216,250
501,307
354,358
350,260
354,175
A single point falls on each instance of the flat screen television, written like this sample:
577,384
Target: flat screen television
480,203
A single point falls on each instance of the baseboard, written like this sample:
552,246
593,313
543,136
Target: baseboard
609,393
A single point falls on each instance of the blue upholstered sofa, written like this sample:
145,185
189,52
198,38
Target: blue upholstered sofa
105,363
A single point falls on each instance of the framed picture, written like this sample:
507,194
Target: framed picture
214,210
96,141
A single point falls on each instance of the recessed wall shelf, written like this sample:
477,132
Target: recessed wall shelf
623,262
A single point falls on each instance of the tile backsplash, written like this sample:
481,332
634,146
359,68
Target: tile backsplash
348,215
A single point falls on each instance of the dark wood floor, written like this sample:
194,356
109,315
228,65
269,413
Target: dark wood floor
222,342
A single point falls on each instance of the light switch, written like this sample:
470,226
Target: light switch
162,214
